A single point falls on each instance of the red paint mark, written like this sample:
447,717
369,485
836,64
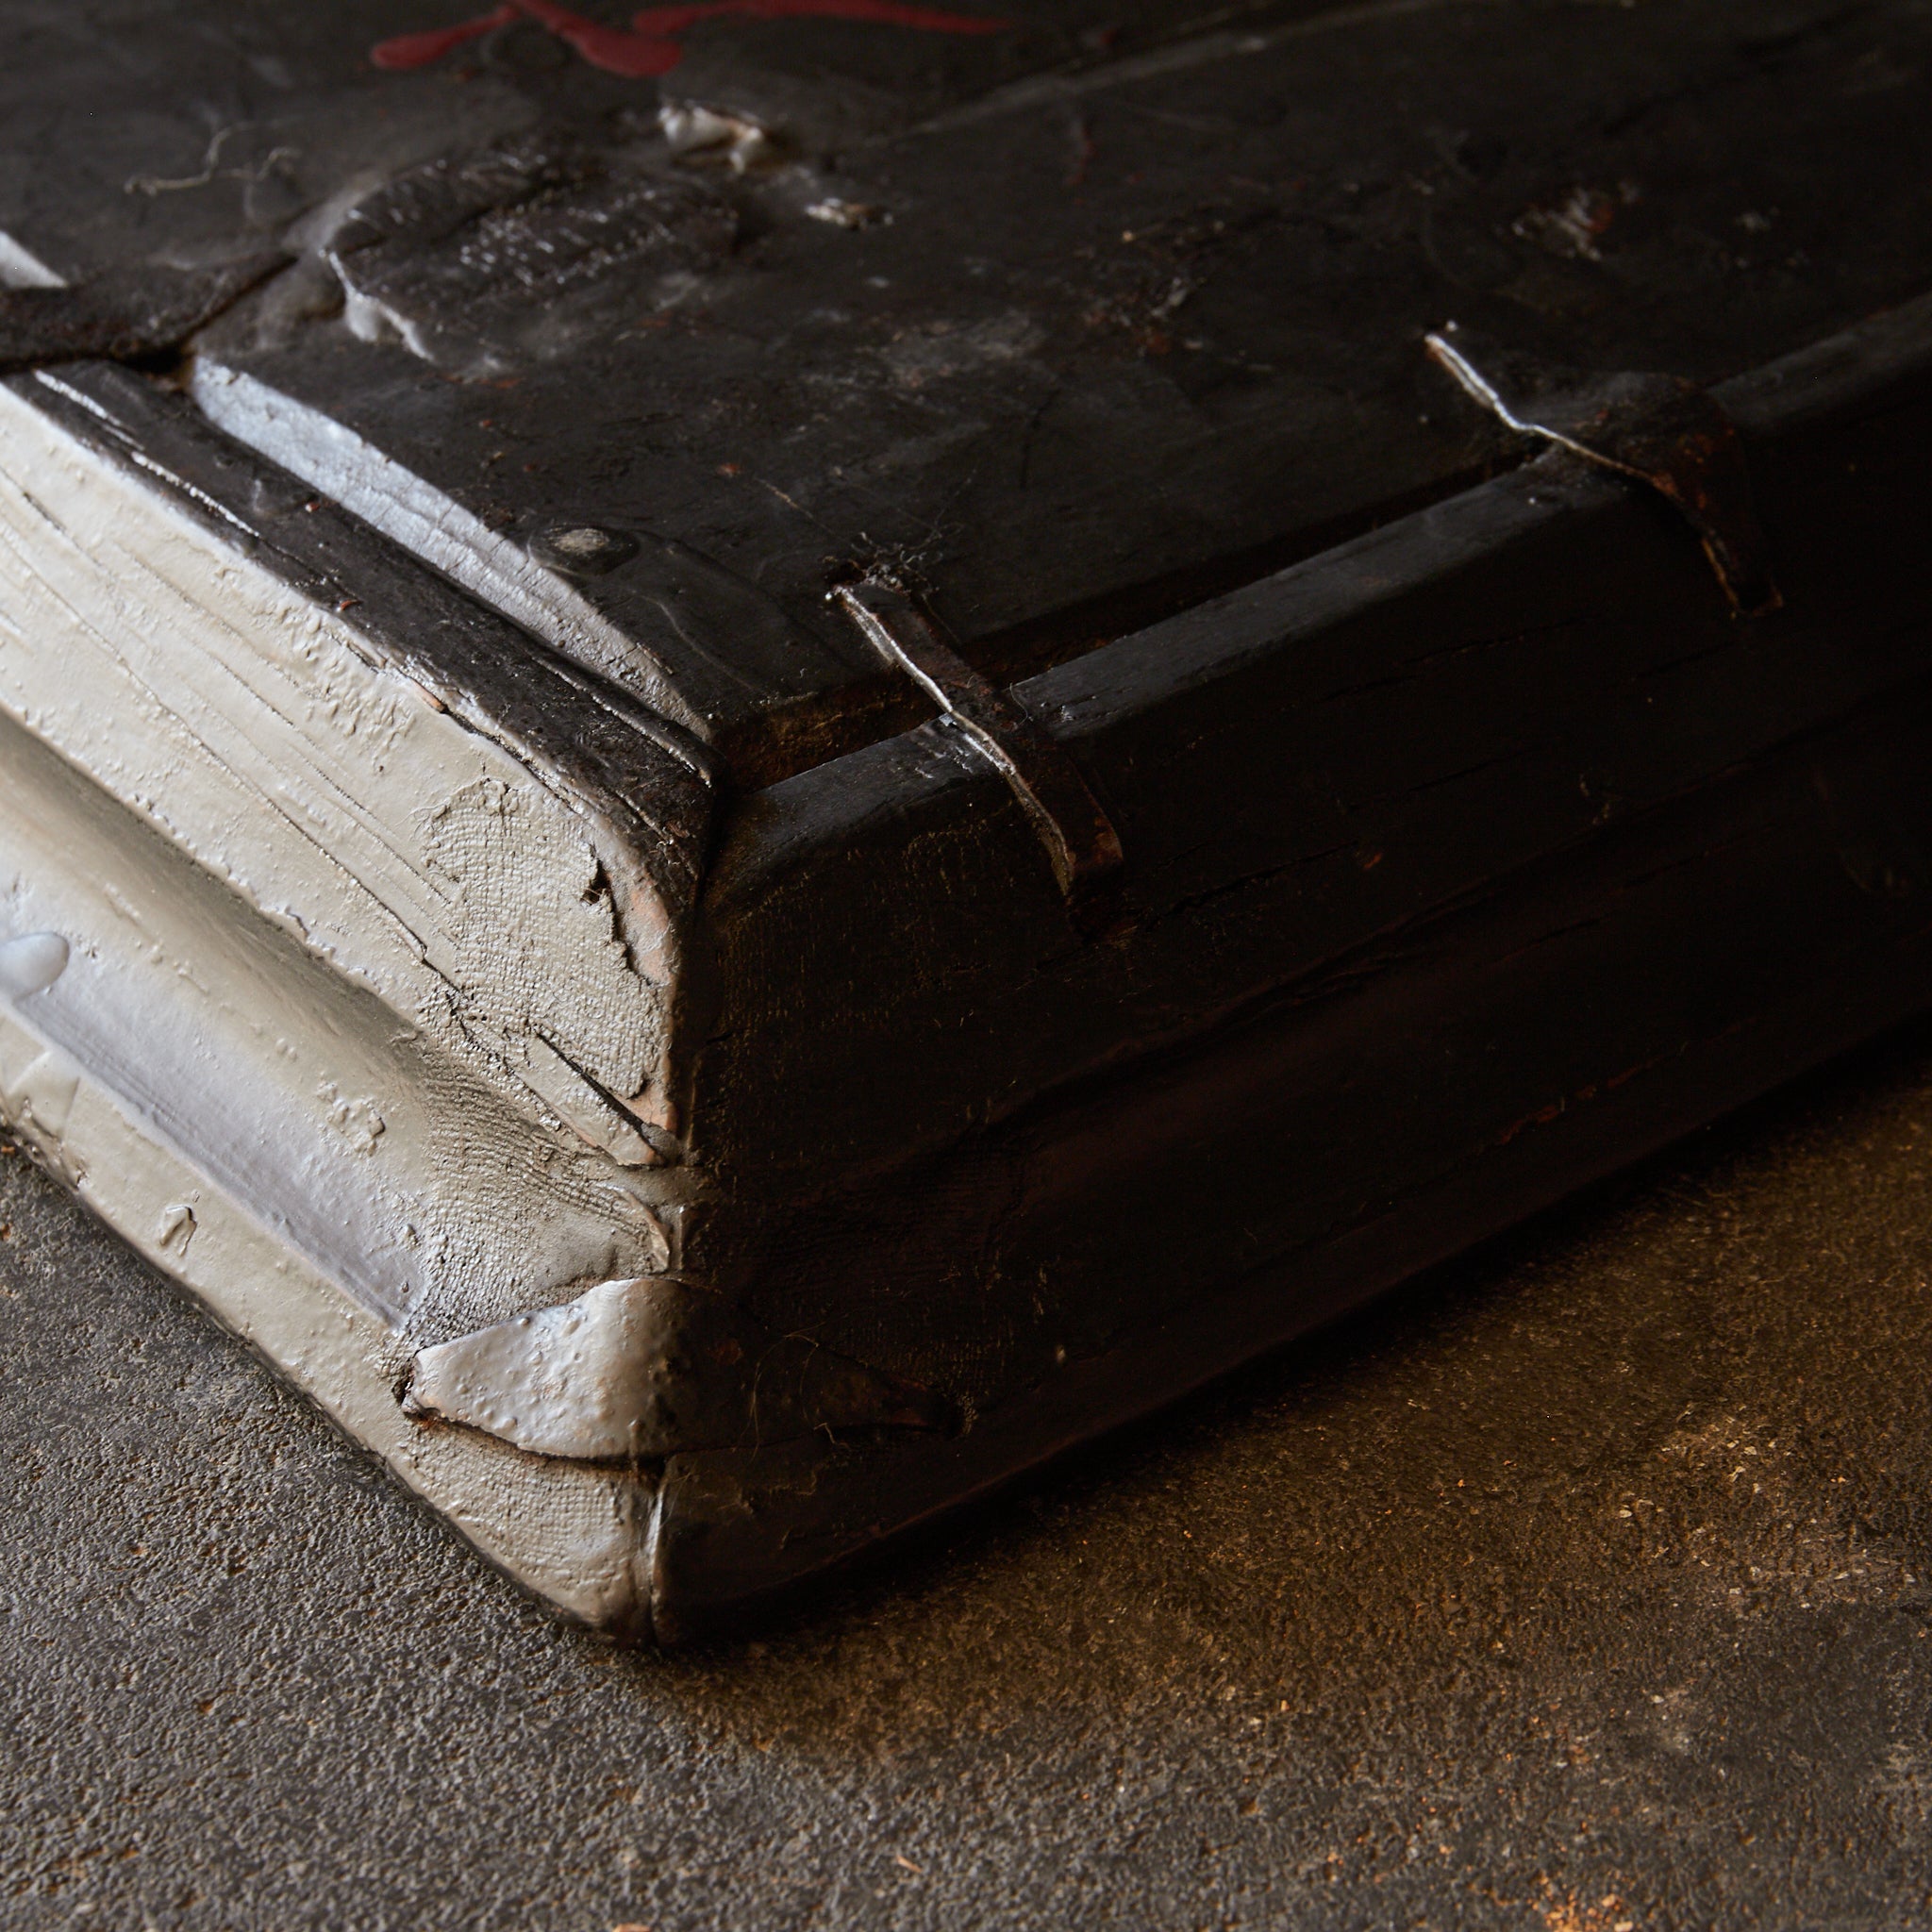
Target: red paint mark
419,50
635,55
649,46
677,19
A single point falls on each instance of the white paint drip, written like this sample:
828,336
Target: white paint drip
580,1380
31,963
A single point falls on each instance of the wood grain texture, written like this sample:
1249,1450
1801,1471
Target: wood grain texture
1145,322
1470,844
1468,863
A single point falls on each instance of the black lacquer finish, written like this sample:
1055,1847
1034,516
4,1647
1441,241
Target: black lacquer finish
1349,823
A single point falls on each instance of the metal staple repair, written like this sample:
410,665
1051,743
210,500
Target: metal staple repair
1079,837
1658,430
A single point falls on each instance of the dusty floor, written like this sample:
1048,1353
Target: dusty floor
1586,1587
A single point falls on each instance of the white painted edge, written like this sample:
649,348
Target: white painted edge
576,1536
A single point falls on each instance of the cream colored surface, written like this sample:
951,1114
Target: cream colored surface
338,798
303,981
576,1536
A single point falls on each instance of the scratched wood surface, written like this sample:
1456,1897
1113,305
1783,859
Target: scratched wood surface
1085,317
1498,880
1472,846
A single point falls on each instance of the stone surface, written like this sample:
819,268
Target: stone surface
1582,1586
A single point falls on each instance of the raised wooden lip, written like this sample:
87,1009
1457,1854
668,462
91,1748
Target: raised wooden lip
727,1536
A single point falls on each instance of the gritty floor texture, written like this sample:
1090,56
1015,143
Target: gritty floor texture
1580,1588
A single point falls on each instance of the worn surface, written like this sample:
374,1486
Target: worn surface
409,838
1083,318
1100,344
147,313
1581,1587
1522,701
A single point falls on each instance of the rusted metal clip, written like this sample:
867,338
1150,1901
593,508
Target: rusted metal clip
1659,430
1080,840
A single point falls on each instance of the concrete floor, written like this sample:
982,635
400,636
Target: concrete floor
1585,1587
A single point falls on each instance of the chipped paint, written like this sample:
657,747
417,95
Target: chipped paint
642,1369
460,1126
693,131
